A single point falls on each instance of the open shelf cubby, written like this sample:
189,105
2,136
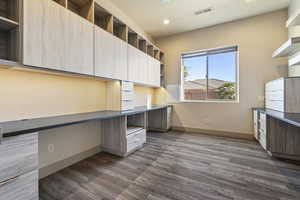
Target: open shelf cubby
156,54
61,2
9,9
135,123
162,57
84,8
150,50
162,82
9,30
120,29
133,38
103,18
143,45
9,44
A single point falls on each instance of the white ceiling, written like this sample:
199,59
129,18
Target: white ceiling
149,14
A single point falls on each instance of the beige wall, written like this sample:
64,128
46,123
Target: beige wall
257,38
30,95
141,94
294,32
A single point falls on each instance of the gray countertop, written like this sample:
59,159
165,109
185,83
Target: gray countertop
12,128
291,118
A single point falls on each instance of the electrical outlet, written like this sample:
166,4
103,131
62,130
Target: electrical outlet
51,148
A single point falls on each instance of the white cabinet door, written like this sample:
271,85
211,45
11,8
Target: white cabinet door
45,34
150,71
157,73
56,38
143,68
80,45
132,63
120,59
104,53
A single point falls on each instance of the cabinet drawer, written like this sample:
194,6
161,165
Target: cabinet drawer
127,105
275,105
127,95
262,116
18,155
275,85
275,95
127,86
135,140
24,187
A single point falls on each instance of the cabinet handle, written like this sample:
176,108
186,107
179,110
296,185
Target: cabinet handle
9,181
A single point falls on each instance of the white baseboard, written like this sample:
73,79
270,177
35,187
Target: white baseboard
215,133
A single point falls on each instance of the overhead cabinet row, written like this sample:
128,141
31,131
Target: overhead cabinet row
56,38
59,39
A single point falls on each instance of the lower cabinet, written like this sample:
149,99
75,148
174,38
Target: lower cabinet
19,167
260,127
284,139
255,124
159,120
124,135
23,187
277,137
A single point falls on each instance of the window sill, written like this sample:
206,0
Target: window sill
206,101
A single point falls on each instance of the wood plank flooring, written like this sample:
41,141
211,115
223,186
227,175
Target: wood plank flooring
177,166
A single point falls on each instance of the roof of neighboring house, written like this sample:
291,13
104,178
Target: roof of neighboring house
201,84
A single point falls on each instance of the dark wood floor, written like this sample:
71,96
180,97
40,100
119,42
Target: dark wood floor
176,166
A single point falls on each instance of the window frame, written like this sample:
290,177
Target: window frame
237,60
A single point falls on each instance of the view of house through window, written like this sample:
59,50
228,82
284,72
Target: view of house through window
210,75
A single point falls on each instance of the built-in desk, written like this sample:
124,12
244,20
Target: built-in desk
122,133
278,132
13,128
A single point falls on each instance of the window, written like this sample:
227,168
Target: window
210,75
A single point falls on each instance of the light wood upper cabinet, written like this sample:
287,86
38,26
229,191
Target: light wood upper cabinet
157,73
104,53
45,30
120,59
80,45
56,38
143,68
153,75
132,63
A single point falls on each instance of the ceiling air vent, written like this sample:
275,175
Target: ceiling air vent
207,10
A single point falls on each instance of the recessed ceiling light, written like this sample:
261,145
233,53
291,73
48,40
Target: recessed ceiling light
166,21
165,1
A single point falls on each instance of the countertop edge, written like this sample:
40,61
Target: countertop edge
20,131
276,114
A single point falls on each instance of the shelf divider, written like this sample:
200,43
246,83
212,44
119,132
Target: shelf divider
294,20
289,48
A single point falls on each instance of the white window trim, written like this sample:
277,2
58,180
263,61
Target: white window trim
237,100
